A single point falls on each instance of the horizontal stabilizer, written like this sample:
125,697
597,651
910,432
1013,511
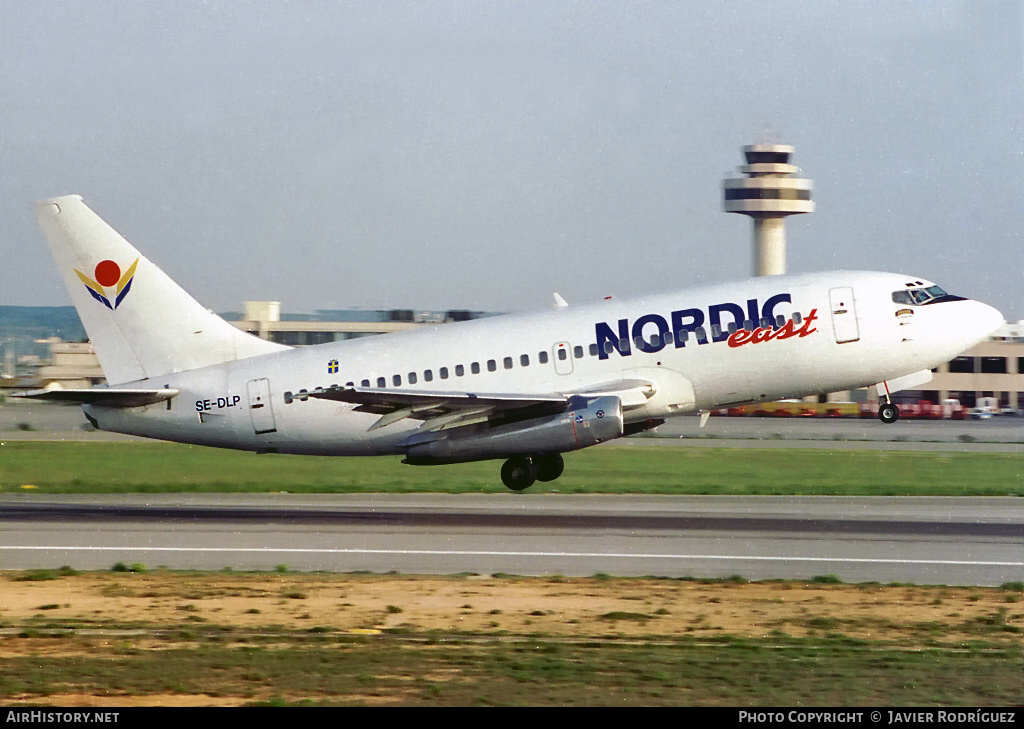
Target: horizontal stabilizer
108,397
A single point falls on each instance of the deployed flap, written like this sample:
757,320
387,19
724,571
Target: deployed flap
109,397
380,397
439,409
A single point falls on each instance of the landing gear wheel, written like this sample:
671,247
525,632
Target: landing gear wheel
888,413
518,473
549,467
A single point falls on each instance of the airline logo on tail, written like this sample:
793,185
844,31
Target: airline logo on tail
108,275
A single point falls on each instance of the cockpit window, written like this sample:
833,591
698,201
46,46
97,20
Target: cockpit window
920,296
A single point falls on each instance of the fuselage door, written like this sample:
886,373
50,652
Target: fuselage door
260,409
844,314
561,353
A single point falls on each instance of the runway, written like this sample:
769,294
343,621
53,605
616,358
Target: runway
927,540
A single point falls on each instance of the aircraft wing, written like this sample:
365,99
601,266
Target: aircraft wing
440,410
109,396
445,410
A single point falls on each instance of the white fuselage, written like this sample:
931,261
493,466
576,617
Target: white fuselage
849,333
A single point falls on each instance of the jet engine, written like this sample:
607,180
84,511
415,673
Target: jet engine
584,423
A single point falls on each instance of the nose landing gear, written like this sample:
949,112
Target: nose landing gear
888,413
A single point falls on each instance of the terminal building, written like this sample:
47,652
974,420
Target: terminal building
994,368
265,320
74,365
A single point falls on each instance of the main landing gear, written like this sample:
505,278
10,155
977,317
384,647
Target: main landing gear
519,472
888,413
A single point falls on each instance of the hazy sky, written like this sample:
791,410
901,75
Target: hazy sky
481,155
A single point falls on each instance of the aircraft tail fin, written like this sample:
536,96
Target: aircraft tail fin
141,323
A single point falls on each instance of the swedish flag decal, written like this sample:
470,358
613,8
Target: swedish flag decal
332,366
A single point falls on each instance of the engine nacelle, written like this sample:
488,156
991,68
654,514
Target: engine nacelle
585,423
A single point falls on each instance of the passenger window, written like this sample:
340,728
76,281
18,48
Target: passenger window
365,383
732,326
593,350
683,335
412,378
797,318
507,362
524,360
428,376
288,398
701,334
348,384
638,342
397,379
577,352
491,365
562,354
459,370
716,331
475,368
609,347
381,382
780,321
443,372
623,344
542,357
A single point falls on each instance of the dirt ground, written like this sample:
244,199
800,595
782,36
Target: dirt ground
153,604
557,606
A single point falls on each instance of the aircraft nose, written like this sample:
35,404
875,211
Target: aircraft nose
966,323
988,319
979,321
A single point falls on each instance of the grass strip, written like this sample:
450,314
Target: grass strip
165,467
537,672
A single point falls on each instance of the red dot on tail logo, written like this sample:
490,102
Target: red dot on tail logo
108,273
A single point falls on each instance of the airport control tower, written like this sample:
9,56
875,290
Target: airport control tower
769,192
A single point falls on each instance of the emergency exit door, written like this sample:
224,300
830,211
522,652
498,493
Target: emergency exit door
844,314
260,409
561,353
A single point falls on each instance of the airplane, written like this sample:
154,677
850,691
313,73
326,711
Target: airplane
524,388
